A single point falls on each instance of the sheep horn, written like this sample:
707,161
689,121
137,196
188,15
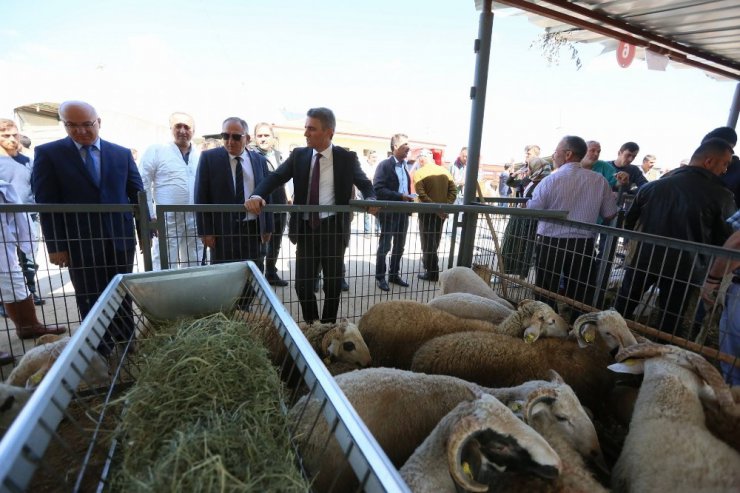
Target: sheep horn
464,430
555,377
585,328
714,379
542,395
643,350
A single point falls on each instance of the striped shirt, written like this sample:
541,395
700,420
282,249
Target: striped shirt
584,194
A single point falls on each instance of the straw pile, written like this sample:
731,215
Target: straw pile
205,414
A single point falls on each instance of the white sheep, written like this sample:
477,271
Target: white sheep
496,360
668,447
400,408
474,437
339,345
465,280
12,400
468,305
35,364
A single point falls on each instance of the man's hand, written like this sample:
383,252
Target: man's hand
208,241
254,204
373,210
623,177
59,258
710,291
266,237
407,198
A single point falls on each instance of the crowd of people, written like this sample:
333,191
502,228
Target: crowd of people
689,203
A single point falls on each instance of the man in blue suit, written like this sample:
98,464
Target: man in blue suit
323,174
84,169
226,176
392,182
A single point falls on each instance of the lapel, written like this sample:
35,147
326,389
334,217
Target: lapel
339,177
75,158
302,171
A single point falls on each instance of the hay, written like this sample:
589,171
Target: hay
205,414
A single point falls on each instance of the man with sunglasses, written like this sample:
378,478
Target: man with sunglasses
85,169
168,173
227,175
323,174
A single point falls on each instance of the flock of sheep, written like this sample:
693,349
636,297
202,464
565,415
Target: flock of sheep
468,393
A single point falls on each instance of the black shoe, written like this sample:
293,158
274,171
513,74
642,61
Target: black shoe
345,286
397,280
3,313
426,276
274,280
382,285
38,300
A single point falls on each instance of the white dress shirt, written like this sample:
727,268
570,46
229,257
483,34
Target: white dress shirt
326,179
247,175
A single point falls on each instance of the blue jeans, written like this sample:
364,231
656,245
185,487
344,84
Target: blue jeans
729,333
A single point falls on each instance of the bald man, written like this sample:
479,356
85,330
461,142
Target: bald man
84,169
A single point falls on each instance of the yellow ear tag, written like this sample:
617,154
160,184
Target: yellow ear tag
467,470
589,337
326,360
515,406
35,378
630,362
529,338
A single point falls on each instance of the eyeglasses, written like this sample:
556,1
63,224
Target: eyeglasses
226,136
80,125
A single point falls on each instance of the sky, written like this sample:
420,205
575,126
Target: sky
395,66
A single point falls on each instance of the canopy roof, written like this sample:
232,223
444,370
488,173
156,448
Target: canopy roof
700,33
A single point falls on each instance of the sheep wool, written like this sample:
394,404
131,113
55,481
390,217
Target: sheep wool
465,280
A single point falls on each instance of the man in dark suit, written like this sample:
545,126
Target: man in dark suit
321,238
392,182
226,176
84,169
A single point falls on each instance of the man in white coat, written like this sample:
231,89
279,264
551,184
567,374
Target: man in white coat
168,174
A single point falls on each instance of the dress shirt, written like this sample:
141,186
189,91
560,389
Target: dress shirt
167,178
247,175
400,167
326,179
96,155
586,195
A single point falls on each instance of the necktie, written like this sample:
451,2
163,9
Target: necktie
239,182
313,193
90,164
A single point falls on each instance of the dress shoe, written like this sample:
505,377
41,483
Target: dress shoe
274,280
397,280
382,285
345,286
38,300
426,276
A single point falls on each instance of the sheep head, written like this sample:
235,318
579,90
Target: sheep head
609,324
345,343
631,360
541,320
487,439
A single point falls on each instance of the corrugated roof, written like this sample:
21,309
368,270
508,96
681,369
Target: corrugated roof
699,33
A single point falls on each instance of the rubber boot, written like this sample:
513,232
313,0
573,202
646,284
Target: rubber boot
29,273
27,325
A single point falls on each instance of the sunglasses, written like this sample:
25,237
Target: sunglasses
226,136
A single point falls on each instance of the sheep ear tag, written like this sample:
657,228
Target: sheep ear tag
531,334
632,366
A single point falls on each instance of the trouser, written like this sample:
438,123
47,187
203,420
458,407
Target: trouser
91,268
182,245
729,332
570,257
273,246
393,229
320,249
430,229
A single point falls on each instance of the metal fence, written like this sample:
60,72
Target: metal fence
64,439
661,303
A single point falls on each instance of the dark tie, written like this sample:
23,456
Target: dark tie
90,164
239,182
313,193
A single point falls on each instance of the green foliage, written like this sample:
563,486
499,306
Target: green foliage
552,44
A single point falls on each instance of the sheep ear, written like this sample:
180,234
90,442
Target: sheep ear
585,334
523,302
531,334
631,366
34,380
556,378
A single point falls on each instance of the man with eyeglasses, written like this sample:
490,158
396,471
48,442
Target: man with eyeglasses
323,174
168,174
226,176
85,169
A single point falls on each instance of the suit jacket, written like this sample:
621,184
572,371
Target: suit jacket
60,177
386,181
347,173
214,184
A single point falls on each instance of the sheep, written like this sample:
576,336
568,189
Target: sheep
473,435
465,280
35,364
497,360
538,412
400,408
668,447
468,305
12,400
339,345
